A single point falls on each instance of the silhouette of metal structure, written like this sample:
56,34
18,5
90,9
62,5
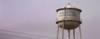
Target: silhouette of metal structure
68,18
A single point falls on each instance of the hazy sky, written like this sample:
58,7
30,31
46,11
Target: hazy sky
39,17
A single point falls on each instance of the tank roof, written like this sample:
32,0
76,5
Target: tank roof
69,6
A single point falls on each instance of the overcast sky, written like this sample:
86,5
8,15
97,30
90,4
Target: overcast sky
39,17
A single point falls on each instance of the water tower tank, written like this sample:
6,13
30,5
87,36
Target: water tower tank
69,17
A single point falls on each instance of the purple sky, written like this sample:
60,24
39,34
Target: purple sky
39,17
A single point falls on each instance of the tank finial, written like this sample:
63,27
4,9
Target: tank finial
68,3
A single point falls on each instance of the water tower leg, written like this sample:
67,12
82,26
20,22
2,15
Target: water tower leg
73,33
80,32
68,36
57,32
63,30
63,33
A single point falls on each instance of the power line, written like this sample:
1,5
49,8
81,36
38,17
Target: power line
15,36
26,34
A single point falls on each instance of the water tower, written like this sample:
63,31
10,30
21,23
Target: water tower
68,18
